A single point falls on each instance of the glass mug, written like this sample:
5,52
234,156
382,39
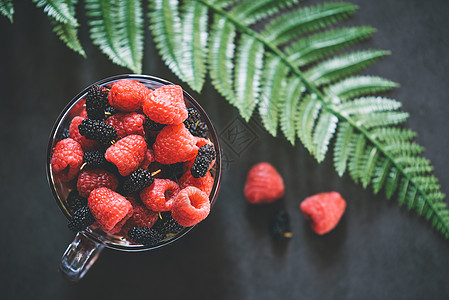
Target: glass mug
88,244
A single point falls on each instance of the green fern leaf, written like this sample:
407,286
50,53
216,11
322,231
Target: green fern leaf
7,9
294,91
272,94
392,182
222,3
248,73
404,148
288,26
368,105
249,12
342,66
308,112
369,164
358,86
392,134
356,157
310,49
59,10
324,131
380,174
343,147
381,119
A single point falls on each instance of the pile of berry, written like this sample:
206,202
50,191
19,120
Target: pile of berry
137,161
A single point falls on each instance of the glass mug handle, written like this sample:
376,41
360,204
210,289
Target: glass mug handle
79,256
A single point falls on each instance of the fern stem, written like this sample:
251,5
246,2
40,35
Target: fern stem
313,89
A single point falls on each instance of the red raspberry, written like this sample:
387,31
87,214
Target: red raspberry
142,216
127,95
127,154
160,194
165,105
149,158
323,211
127,124
83,113
190,207
204,183
109,208
67,159
174,144
263,184
89,180
86,144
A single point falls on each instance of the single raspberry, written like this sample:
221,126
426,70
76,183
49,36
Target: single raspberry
94,159
137,181
88,180
203,161
160,195
67,159
142,216
109,208
167,225
323,211
127,124
127,95
165,105
81,219
149,158
74,133
145,236
191,206
99,131
174,144
127,154
263,184
75,201
280,228
204,183
194,124
150,125
97,102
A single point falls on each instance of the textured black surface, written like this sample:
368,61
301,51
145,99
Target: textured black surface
378,251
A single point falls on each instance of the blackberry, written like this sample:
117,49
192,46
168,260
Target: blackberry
75,201
109,111
94,159
99,131
167,225
81,218
145,236
206,154
97,102
194,124
137,181
150,125
280,226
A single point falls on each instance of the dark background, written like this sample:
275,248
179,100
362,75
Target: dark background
378,251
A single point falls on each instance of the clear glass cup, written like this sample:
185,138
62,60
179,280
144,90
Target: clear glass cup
88,244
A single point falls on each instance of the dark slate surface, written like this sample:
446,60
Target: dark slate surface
378,251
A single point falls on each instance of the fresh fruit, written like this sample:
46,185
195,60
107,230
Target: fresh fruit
191,206
280,226
91,179
145,236
127,124
94,159
165,105
174,144
142,216
97,102
149,158
194,124
137,181
263,184
127,154
75,201
166,224
150,125
203,161
67,159
128,95
99,131
205,183
81,219
160,195
323,210
74,133
110,209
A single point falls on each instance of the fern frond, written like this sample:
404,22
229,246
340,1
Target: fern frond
289,26
7,9
248,71
324,131
403,148
381,119
368,105
356,157
381,173
392,182
310,49
358,86
308,112
223,3
249,12
294,90
342,66
392,134
59,10
343,147
272,94
369,162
